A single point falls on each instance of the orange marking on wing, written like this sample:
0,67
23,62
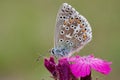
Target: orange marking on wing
84,36
75,19
71,20
78,21
65,22
83,30
68,24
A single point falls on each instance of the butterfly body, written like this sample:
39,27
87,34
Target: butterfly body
72,32
61,50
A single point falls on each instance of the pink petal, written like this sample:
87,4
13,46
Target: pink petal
51,66
74,59
81,66
100,65
63,69
80,70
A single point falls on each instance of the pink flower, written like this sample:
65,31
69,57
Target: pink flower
60,70
73,68
82,66
64,71
51,66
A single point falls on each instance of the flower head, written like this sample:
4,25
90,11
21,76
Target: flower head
82,66
60,70
76,67
51,66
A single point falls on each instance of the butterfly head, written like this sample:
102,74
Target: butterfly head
58,52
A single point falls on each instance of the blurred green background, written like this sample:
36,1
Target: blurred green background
27,31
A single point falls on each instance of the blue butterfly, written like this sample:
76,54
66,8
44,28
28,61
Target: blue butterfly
72,32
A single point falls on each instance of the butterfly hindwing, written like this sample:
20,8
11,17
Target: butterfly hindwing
72,29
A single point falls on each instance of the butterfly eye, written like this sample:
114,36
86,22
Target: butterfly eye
53,51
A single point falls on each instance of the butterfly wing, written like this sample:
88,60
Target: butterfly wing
72,29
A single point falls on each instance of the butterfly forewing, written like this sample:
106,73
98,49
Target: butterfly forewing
72,29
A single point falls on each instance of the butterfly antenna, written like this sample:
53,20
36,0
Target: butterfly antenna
40,57
49,51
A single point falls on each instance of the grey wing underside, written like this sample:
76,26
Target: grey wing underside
72,29
59,22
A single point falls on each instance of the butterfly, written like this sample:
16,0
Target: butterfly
72,32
